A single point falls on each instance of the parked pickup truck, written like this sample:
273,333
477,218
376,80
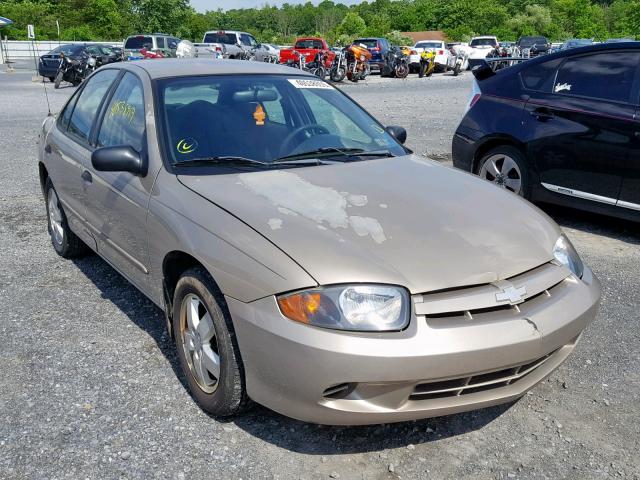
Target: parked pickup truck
309,47
231,44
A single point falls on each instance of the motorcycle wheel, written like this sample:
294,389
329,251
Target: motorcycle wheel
337,74
402,71
456,70
58,80
320,72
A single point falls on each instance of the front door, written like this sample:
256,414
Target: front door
117,201
581,131
68,145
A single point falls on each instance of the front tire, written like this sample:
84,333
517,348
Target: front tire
58,80
207,347
505,166
402,71
64,241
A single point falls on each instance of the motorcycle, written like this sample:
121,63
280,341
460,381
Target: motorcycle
358,62
317,67
149,54
398,63
72,71
300,61
461,62
246,54
271,58
339,67
427,63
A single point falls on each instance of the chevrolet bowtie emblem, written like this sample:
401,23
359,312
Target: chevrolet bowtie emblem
511,294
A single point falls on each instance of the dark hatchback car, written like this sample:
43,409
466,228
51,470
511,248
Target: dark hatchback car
379,48
563,128
49,62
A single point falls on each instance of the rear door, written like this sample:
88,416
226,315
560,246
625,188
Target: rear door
580,125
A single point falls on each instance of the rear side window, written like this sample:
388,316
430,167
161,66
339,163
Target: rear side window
88,103
606,76
124,120
160,42
540,77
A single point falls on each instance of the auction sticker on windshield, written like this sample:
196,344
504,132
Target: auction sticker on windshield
303,83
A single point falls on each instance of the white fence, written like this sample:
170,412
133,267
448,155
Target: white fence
23,50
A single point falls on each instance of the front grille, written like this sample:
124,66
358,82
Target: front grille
476,383
479,303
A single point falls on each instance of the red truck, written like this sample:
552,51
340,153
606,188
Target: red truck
309,47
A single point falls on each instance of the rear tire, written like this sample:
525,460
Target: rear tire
506,167
207,346
64,241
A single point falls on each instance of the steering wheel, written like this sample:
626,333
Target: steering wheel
286,143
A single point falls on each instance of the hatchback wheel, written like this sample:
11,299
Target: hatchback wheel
206,344
64,241
505,167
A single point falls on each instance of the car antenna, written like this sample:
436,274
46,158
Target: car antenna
49,114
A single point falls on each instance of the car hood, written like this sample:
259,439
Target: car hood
404,220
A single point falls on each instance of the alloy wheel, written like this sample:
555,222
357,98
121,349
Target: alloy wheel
199,343
503,171
55,217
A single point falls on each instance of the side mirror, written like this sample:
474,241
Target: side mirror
118,159
399,133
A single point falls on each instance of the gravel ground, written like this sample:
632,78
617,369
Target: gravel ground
90,386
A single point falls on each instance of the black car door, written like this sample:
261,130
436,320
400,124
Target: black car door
630,192
579,131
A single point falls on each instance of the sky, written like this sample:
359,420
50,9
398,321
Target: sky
204,5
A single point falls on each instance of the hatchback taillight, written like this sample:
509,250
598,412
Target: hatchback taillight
474,100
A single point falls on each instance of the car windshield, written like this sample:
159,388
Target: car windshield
221,37
482,42
265,118
70,50
138,42
531,41
429,45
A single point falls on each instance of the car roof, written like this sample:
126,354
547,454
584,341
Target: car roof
598,47
186,67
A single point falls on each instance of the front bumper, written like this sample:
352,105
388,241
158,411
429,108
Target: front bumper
434,367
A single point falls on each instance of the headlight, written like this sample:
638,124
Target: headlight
366,308
566,254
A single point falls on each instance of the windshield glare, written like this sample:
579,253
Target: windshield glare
263,118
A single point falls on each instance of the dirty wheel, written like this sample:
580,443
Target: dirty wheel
206,344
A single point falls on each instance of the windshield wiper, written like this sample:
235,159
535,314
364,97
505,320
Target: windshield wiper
332,151
220,160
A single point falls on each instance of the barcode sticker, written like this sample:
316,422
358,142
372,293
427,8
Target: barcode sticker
306,83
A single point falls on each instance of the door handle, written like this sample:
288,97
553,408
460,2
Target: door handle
541,114
87,177
47,148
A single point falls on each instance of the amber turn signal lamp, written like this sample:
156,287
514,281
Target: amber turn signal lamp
299,307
